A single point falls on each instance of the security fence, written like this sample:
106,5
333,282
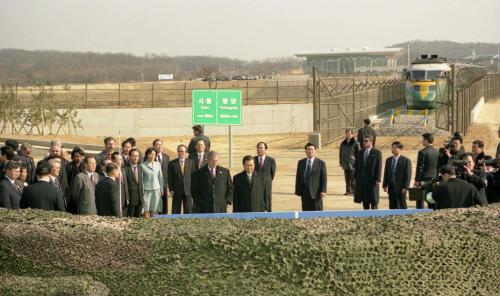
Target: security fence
341,104
460,92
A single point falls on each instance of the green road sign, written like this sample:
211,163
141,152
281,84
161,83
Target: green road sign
220,107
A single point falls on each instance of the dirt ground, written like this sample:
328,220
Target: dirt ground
287,149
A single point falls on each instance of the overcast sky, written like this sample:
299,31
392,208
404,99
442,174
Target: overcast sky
240,29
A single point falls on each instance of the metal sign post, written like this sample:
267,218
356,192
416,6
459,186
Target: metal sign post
218,107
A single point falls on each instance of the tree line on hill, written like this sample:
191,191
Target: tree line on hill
60,67
26,67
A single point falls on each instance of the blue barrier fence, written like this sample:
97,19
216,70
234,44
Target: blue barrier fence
298,215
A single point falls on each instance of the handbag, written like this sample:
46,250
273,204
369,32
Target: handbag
416,193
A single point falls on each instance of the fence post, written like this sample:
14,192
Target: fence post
86,97
247,92
315,99
119,94
184,94
152,95
307,91
277,91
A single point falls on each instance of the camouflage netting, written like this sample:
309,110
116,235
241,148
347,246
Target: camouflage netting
454,252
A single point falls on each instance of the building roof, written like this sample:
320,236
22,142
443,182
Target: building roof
365,51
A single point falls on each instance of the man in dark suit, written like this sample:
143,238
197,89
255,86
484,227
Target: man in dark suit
199,158
73,168
10,195
427,164
107,195
367,130
397,177
478,153
212,188
133,172
55,172
266,165
198,135
109,148
121,180
25,156
249,193
42,195
163,159
368,175
179,181
55,152
310,180
126,147
83,187
349,149
453,192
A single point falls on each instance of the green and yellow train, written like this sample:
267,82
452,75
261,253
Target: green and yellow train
421,76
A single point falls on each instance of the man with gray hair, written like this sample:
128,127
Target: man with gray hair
25,156
212,188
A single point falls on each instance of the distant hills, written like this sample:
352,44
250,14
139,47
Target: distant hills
29,67
448,49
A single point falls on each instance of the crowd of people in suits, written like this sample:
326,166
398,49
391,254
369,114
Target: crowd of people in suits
126,183
129,183
447,177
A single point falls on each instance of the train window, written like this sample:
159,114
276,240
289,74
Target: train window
418,75
416,87
432,88
431,75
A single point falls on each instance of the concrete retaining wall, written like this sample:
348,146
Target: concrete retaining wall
151,122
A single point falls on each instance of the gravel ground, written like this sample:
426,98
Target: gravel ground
408,125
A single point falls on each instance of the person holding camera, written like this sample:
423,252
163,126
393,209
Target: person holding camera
490,166
452,151
454,192
469,174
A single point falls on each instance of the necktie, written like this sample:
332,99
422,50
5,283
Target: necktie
309,168
200,160
135,173
393,169
365,156
261,162
92,179
182,167
213,172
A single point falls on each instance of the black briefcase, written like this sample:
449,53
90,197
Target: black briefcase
416,193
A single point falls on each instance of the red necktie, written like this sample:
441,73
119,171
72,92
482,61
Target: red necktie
261,162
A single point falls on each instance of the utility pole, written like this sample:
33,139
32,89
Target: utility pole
408,52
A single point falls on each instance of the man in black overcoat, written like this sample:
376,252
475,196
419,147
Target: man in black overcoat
249,193
42,195
179,181
454,192
397,177
107,195
266,165
368,175
212,187
310,180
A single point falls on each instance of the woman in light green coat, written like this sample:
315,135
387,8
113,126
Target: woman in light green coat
153,184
